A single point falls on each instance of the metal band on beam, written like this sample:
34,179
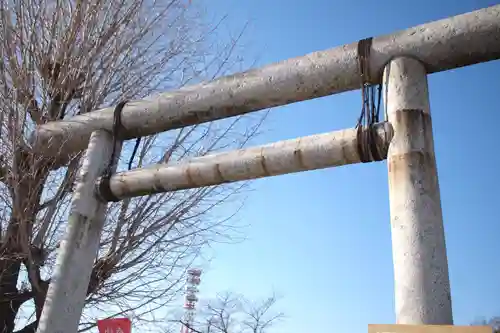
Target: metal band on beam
301,154
441,45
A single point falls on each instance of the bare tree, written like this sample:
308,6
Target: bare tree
232,313
64,57
494,322
260,315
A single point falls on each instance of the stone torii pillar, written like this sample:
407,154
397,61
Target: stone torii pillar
68,289
422,285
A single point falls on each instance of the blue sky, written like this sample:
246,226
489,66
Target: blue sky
310,240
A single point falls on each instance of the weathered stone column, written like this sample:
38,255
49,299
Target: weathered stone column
68,288
422,286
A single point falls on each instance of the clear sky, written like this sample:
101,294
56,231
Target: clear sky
321,239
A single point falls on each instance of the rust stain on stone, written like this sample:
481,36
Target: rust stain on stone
297,153
346,155
263,164
412,124
220,177
408,116
417,167
158,186
414,120
189,176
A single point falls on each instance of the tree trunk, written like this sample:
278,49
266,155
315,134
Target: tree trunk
29,175
9,302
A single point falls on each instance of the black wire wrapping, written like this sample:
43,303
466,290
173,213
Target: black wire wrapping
103,187
370,112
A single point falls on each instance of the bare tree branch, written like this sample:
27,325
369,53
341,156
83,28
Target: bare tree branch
493,322
232,313
65,57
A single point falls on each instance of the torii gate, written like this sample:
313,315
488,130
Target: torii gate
402,60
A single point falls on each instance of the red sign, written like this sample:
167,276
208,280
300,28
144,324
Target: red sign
114,325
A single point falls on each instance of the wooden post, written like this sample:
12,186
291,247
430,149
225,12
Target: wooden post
422,286
68,288
445,44
301,154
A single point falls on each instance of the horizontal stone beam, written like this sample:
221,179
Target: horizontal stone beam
441,45
296,155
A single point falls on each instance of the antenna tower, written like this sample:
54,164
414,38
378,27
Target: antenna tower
193,280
